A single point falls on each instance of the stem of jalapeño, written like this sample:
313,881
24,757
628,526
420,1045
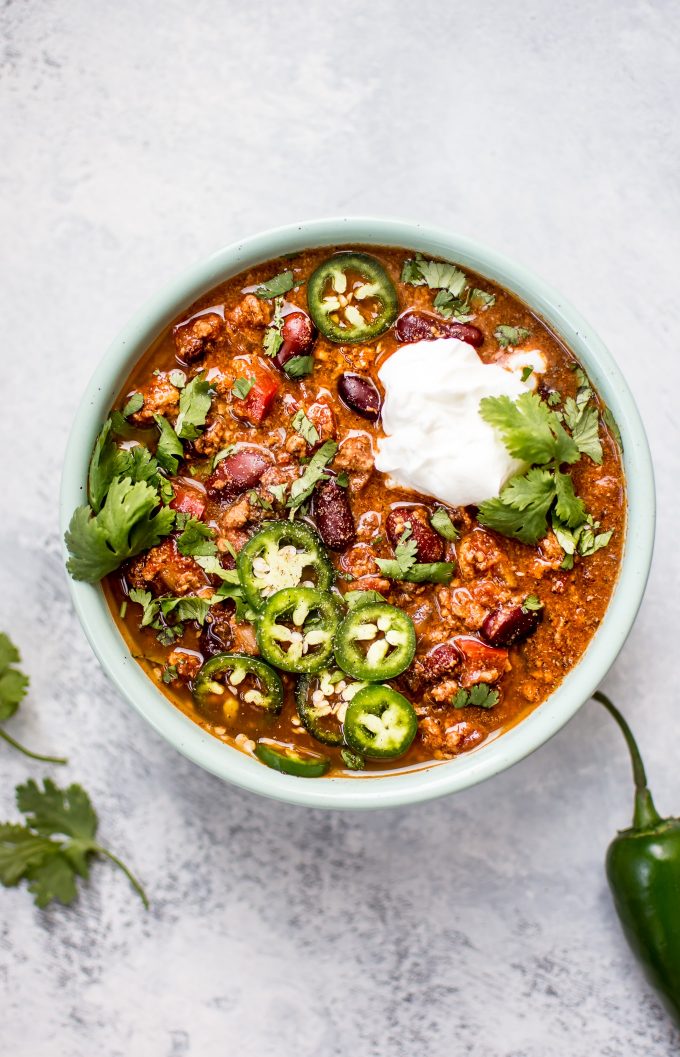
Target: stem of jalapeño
645,814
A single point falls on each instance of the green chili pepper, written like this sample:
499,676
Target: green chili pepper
321,699
351,298
643,870
291,760
282,554
375,641
380,723
295,631
245,678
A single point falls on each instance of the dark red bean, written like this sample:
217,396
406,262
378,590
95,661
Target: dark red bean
429,546
333,516
442,660
360,394
423,326
508,624
237,473
298,333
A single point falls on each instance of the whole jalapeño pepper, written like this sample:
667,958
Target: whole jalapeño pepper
643,870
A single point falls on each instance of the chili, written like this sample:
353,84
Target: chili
282,554
314,619
290,760
380,723
246,678
351,298
375,641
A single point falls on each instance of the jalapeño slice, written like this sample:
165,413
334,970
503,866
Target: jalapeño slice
351,298
237,677
380,723
296,629
282,554
375,641
322,701
290,760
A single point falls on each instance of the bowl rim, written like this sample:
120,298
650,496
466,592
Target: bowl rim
494,756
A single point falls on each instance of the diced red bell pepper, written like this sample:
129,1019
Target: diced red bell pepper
188,499
259,400
481,663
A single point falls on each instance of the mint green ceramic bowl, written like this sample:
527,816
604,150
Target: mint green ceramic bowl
363,792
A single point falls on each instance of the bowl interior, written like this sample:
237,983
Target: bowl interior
438,779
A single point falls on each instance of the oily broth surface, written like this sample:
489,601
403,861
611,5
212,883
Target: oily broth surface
575,601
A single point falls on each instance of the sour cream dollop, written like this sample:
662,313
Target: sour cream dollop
436,441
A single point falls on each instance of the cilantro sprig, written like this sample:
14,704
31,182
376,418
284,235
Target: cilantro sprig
509,337
481,695
405,567
55,844
534,433
273,334
280,284
305,427
315,471
13,689
449,281
168,614
196,537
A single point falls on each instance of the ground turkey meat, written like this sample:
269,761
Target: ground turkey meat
165,570
198,336
160,398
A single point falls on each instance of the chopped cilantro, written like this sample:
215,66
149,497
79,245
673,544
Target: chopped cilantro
257,500
197,538
299,366
352,760
480,696
242,387
405,567
55,844
194,404
361,598
302,488
442,523
451,307
342,480
273,337
127,523
481,296
134,404
278,491
230,588
170,448
178,378
306,428
224,453
13,689
531,604
613,427
280,284
438,275
510,336
527,373
554,398
168,613
169,673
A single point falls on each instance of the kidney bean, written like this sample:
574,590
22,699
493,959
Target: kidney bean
510,623
298,333
188,499
216,636
333,516
360,394
423,326
481,663
237,473
429,546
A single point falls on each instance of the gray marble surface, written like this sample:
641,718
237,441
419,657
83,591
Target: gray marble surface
138,137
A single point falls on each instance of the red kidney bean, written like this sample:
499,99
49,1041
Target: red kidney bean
188,499
423,326
333,516
508,624
216,636
481,663
442,660
360,394
298,333
237,473
429,546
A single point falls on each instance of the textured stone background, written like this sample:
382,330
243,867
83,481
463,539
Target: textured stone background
138,137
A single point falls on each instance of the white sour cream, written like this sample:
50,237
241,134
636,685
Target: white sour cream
436,441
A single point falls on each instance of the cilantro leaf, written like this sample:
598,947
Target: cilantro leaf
224,453
278,491
481,695
306,428
302,488
13,689
441,522
55,844
134,404
569,508
170,448
613,427
585,432
194,404
177,378
273,336
430,572
531,604
299,366
103,466
451,307
481,296
510,336
438,275
521,509
404,557
242,387
124,526
530,430
361,598
280,284
196,538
